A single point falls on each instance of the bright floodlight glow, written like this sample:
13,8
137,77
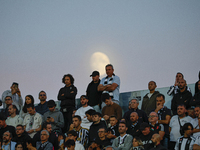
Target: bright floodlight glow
98,62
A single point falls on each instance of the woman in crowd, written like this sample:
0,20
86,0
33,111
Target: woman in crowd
28,100
18,146
137,144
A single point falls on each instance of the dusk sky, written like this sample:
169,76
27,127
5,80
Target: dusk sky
40,41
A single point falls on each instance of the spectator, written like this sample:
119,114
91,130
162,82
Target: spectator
176,124
89,114
8,102
54,116
190,112
28,100
156,138
197,89
183,96
81,112
124,141
196,145
72,135
15,95
111,108
67,96
196,126
70,145
42,106
110,84
13,119
186,141
82,136
52,136
149,100
44,143
4,127
19,146
22,136
134,103
102,140
137,144
8,144
155,126
96,125
134,128
113,129
196,99
33,121
164,117
94,96
146,135
174,88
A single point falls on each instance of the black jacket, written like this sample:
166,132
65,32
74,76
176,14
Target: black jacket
68,99
195,100
158,147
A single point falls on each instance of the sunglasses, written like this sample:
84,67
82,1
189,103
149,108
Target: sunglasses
42,94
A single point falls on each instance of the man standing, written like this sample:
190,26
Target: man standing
54,116
134,103
13,119
67,96
94,96
124,141
15,94
42,106
33,121
176,124
182,97
81,112
7,143
149,100
111,108
110,84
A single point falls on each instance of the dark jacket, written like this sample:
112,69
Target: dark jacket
181,98
134,130
68,99
24,138
158,147
149,104
195,100
41,108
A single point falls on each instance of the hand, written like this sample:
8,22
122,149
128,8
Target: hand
62,95
48,120
106,117
52,119
72,92
30,131
159,107
71,127
18,93
110,135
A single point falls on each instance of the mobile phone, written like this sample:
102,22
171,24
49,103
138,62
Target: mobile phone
16,86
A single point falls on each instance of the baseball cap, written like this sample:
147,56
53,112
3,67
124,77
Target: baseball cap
84,96
94,73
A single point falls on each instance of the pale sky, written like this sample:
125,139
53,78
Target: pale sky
40,41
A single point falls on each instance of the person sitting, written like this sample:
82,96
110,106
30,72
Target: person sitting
186,141
149,100
8,102
42,107
44,143
81,112
28,100
89,114
124,141
113,129
137,144
156,138
33,121
142,116
22,136
13,119
19,146
70,145
8,144
54,116
111,108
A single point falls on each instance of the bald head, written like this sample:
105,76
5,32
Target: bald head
156,138
134,117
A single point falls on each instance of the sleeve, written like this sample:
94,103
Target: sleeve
177,145
102,82
24,121
59,97
20,102
171,90
170,123
117,80
60,122
119,112
161,127
20,120
197,141
127,143
114,144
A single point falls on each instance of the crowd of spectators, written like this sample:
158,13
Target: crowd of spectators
99,124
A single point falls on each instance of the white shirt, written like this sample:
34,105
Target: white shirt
121,139
175,126
183,144
197,141
78,146
81,112
37,121
195,124
14,121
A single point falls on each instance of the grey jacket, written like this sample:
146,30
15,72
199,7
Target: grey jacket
58,119
127,144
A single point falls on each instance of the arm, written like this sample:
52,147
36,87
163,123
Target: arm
60,122
161,133
196,147
119,113
127,143
166,121
169,129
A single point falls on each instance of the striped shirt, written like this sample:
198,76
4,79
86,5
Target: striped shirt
82,135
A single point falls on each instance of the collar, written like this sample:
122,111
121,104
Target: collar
122,136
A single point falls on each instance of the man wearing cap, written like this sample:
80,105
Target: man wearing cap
15,94
94,96
81,112
54,116
110,84
146,135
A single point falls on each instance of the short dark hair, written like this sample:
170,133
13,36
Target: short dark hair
77,116
123,122
30,106
2,116
15,83
109,65
43,92
20,125
161,95
18,143
185,127
180,73
153,82
113,116
70,76
25,105
8,96
90,112
72,132
97,113
105,96
181,105
69,143
45,124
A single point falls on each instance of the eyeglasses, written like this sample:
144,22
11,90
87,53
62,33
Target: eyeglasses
152,116
42,94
